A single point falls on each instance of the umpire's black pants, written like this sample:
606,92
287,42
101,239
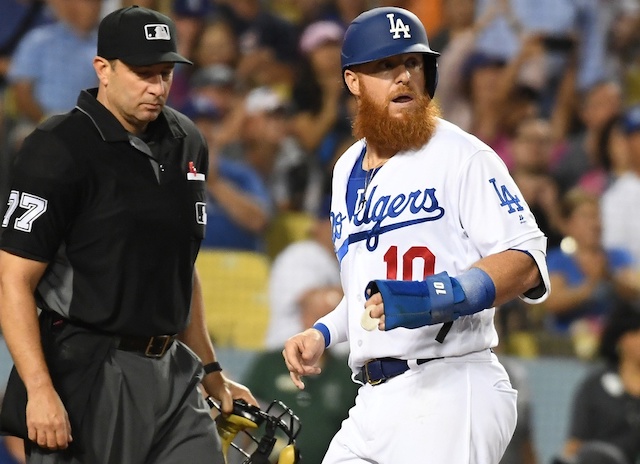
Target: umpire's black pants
142,411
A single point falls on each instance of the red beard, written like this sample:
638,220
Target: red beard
411,131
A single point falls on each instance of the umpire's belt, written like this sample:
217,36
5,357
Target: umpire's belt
377,371
152,347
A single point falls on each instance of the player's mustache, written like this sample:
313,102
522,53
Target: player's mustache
406,92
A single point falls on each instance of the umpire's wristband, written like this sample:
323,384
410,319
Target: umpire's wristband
212,367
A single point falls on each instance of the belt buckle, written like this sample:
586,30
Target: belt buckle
150,352
368,379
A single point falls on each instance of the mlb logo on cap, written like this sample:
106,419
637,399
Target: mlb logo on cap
139,37
157,32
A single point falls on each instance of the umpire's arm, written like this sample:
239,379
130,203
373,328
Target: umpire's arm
196,337
47,420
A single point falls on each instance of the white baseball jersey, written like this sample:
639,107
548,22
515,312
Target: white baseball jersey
440,208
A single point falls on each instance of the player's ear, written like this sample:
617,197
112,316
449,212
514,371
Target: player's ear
352,81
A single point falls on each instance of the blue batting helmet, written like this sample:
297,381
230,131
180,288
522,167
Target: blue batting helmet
387,31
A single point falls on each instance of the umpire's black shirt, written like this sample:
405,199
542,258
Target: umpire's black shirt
118,219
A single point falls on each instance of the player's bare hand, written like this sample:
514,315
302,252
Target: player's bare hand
47,419
301,354
373,312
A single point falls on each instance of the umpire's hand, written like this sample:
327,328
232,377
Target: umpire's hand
301,354
225,391
47,419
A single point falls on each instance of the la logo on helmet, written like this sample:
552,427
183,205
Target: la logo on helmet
397,27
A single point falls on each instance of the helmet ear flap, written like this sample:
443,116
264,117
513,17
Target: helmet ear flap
431,74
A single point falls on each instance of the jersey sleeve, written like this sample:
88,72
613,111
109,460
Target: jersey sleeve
337,321
45,190
495,215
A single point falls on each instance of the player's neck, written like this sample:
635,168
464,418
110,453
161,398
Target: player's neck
374,158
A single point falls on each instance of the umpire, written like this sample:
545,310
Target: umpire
100,303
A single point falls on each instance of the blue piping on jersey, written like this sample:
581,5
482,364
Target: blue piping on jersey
372,236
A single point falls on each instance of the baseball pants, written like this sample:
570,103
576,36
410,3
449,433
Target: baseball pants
143,411
459,410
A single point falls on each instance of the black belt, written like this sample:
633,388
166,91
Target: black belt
151,347
377,371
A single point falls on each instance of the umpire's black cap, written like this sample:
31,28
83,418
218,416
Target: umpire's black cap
138,36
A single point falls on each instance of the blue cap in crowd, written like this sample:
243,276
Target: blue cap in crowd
192,8
631,120
201,108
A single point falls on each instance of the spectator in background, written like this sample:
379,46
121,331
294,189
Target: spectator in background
216,44
533,153
266,144
611,158
321,122
304,272
458,17
497,102
597,106
238,203
216,84
338,11
190,17
605,419
52,63
620,24
587,278
304,12
458,59
349,9
17,17
569,21
621,200
267,44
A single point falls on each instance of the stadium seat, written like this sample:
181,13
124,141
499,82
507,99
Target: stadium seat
235,289
286,228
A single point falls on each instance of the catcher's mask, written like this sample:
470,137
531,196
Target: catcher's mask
280,426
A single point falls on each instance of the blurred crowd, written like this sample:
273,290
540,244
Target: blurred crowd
553,86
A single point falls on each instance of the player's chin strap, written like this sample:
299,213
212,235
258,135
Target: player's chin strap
439,299
277,417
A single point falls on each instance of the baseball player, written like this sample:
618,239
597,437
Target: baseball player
104,222
431,233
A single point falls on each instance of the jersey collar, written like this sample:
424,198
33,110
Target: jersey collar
110,128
